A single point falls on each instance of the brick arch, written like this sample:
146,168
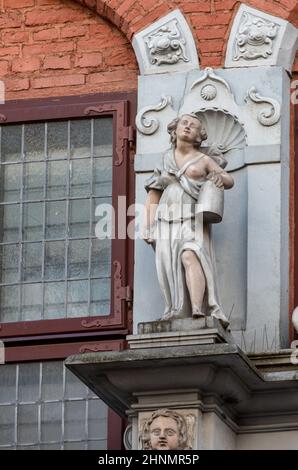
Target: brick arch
294,15
132,15
210,20
286,9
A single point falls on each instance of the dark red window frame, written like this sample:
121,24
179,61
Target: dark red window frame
121,107
295,212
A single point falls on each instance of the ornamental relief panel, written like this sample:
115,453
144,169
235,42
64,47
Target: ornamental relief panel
166,45
255,38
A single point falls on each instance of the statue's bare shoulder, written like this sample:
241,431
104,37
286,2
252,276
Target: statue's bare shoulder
200,167
206,160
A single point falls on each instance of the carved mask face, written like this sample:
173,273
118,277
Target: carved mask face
257,34
164,434
189,129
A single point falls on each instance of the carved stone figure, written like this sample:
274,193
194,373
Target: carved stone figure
166,45
181,237
254,38
165,430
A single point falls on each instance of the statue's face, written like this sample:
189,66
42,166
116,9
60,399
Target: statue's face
189,129
164,434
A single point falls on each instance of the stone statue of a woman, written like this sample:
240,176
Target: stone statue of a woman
185,265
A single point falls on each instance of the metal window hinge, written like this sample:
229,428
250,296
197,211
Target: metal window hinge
125,293
125,133
120,292
128,133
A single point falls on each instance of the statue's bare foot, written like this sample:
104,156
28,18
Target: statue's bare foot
222,318
173,315
166,316
197,313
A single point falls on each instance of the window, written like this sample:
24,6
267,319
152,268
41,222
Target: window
44,406
54,176
63,290
61,159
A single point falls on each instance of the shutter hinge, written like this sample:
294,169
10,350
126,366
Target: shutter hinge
120,292
125,293
128,133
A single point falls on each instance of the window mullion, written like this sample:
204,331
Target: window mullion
67,218
21,232
44,219
16,405
39,403
91,209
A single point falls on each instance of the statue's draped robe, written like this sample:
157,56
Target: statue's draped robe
179,228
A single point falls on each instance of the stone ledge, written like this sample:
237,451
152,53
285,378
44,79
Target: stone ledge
277,361
219,370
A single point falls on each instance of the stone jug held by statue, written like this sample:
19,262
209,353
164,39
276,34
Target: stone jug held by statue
211,202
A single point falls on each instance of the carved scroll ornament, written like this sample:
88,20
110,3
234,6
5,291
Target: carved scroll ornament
149,126
266,117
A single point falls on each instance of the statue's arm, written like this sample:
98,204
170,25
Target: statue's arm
220,178
154,186
151,205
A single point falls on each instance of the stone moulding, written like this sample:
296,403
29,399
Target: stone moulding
222,370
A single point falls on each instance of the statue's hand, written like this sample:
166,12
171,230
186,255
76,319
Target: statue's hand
147,234
216,178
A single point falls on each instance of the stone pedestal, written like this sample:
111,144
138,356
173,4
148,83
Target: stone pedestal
179,332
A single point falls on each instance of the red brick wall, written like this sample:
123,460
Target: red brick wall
57,47
63,47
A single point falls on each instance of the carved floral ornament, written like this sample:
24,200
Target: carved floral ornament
254,38
166,45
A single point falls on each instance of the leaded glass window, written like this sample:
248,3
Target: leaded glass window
53,176
44,406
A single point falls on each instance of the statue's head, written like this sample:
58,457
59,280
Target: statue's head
165,430
188,119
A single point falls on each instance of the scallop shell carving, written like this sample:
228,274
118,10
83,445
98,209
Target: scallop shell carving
208,92
224,130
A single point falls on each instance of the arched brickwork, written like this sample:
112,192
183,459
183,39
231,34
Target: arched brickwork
211,20
132,15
